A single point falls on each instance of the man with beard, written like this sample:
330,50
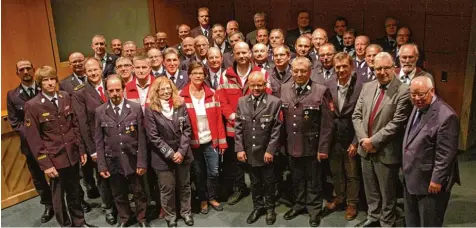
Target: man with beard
172,70
85,99
388,42
228,58
231,87
367,74
218,37
361,44
319,38
108,61
188,49
149,42
260,56
409,56
124,69
325,75
156,59
129,49
161,39
303,19
214,59
340,26
204,24
16,99
404,36
260,22
201,47
116,47
349,42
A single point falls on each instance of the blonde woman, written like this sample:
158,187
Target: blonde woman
169,131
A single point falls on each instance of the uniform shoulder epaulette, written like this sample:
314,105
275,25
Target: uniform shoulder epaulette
79,87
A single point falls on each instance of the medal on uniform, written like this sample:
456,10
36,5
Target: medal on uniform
27,122
262,126
306,115
132,127
127,130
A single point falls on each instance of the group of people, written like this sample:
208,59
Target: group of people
296,111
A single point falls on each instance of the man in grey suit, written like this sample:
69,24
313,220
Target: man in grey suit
408,56
430,166
379,120
260,22
325,75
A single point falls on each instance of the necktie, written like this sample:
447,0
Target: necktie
54,102
391,43
101,93
255,103
215,81
371,75
405,79
327,74
172,78
299,90
260,65
82,79
116,111
156,74
375,109
281,75
416,121
205,32
31,92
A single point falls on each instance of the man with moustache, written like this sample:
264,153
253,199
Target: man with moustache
319,38
161,39
388,42
361,44
16,99
124,69
349,42
379,120
409,56
172,71
303,47
49,122
120,123
149,42
85,99
201,47
214,59
308,126
78,77
303,19
430,164
260,23
204,24
218,37
258,126
343,161
367,74
404,36
108,61
129,49
188,49
116,47
231,87
260,56
228,58
326,75
340,26
156,59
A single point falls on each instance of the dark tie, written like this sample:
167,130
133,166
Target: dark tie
405,79
205,32
299,90
255,103
54,102
416,120
172,78
371,75
116,111
82,79
215,81
281,75
31,92
260,65
156,74
327,74
375,109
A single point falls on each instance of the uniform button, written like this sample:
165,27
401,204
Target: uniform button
294,124
254,145
119,133
294,116
122,152
120,143
253,137
254,120
294,132
253,129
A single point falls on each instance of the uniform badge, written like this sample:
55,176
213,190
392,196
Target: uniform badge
128,130
181,76
28,122
45,114
42,100
128,106
306,115
61,96
263,126
41,157
132,128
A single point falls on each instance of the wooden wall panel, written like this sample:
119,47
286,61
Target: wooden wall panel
280,16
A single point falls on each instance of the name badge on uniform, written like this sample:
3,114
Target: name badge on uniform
41,157
45,114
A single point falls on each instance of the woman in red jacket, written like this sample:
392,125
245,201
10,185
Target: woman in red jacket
208,135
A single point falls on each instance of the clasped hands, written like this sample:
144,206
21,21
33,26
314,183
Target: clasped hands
367,145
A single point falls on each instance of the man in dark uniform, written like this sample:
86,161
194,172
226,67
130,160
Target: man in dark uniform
85,99
52,133
16,99
108,61
121,150
257,129
307,108
325,75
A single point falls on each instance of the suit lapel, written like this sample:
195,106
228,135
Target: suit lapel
428,115
261,105
303,95
110,112
22,93
92,92
392,88
335,98
349,94
126,109
409,124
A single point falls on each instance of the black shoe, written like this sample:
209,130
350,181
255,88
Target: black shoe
87,225
235,197
188,219
254,216
144,224
93,193
291,214
270,217
86,207
171,224
47,214
204,211
314,220
368,223
217,208
111,219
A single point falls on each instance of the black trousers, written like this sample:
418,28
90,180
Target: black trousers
233,170
39,180
263,187
88,174
307,185
120,189
425,210
67,183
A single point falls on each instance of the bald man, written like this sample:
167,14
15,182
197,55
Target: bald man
183,32
319,38
232,27
260,56
201,45
188,49
303,47
78,77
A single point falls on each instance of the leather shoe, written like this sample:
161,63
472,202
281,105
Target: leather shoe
334,205
110,219
291,214
270,217
47,214
314,220
254,216
171,223
144,224
350,212
368,223
235,197
86,207
204,211
188,219
217,208
93,193
87,225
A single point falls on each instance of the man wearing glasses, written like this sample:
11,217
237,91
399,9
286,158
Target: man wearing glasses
379,120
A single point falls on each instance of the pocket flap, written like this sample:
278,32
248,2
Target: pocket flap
107,124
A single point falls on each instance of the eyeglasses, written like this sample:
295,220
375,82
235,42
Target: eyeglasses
419,95
383,68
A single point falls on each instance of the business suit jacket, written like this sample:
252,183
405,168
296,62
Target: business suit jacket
110,67
52,132
186,63
181,80
317,76
16,99
429,150
308,119
120,141
168,136
85,100
384,42
293,34
418,72
333,40
389,122
344,133
226,49
316,63
198,31
251,37
208,80
363,75
276,82
69,83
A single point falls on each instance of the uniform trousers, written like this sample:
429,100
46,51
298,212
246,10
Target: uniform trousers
263,187
67,183
39,180
307,185
120,186
172,182
345,175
